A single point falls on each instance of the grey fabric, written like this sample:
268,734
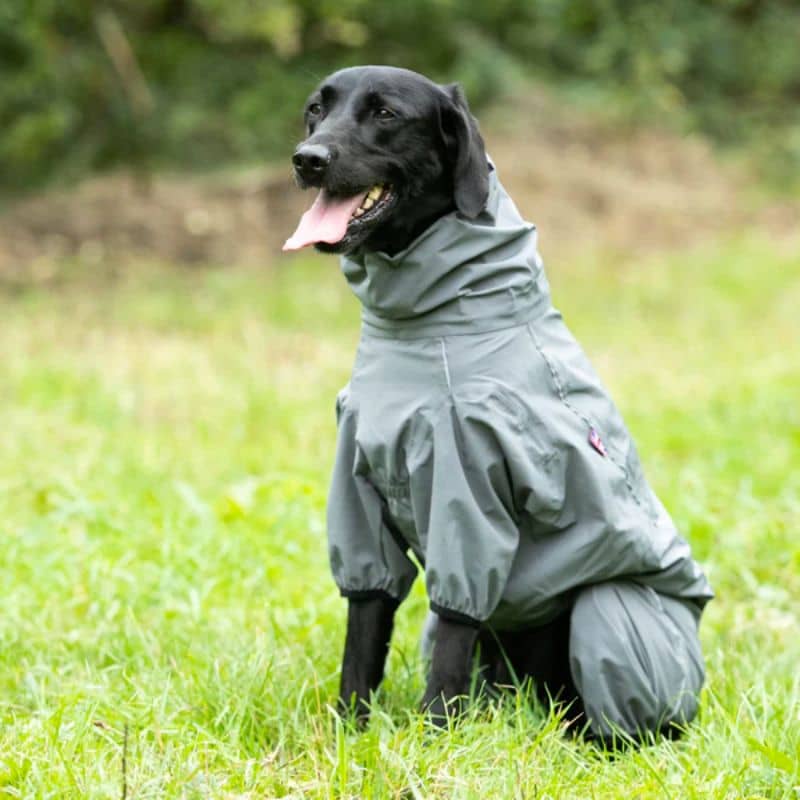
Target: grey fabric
635,658
475,434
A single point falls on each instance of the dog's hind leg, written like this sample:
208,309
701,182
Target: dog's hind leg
369,630
635,657
541,654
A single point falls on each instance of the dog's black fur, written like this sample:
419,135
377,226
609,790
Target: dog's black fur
371,125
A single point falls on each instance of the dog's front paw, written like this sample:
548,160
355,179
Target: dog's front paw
441,711
353,711
445,703
447,692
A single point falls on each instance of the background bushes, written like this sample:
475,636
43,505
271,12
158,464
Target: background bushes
200,83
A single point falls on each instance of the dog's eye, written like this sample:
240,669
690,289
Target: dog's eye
384,113
314,110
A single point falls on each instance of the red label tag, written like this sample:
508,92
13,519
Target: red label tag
596,442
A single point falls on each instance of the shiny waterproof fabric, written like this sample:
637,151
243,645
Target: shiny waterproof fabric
475,434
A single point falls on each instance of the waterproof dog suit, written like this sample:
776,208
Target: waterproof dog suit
475,435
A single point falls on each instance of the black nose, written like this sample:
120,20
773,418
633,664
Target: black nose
311,160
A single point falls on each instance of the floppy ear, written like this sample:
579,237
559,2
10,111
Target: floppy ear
467,151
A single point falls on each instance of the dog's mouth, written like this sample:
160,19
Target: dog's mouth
334,220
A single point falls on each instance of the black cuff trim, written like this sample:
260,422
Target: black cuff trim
455,616
369,594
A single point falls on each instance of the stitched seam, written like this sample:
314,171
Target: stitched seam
379,332
563,397
446,367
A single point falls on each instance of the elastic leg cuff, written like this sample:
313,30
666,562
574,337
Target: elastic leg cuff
369,594
455,616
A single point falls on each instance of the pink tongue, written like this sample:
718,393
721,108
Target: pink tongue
326,220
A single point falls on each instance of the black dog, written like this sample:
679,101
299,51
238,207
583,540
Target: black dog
398,159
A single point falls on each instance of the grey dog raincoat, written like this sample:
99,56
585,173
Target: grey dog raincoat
475,434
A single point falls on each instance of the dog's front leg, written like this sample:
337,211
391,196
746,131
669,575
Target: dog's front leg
451,670
369,630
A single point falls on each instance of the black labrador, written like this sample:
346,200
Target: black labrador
391,152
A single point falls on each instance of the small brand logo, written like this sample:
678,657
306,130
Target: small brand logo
596,442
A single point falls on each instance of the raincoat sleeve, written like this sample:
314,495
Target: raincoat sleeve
366,557
472,533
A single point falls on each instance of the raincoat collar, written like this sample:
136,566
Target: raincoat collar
458,276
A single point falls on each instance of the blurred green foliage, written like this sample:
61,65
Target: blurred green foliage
197,83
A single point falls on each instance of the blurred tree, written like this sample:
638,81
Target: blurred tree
87,84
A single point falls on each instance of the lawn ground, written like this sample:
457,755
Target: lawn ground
168,621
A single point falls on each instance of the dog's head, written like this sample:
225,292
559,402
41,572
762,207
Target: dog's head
390,152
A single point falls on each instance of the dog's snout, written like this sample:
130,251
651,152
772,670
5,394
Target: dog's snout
311,160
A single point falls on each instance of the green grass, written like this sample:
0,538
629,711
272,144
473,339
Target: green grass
166,440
